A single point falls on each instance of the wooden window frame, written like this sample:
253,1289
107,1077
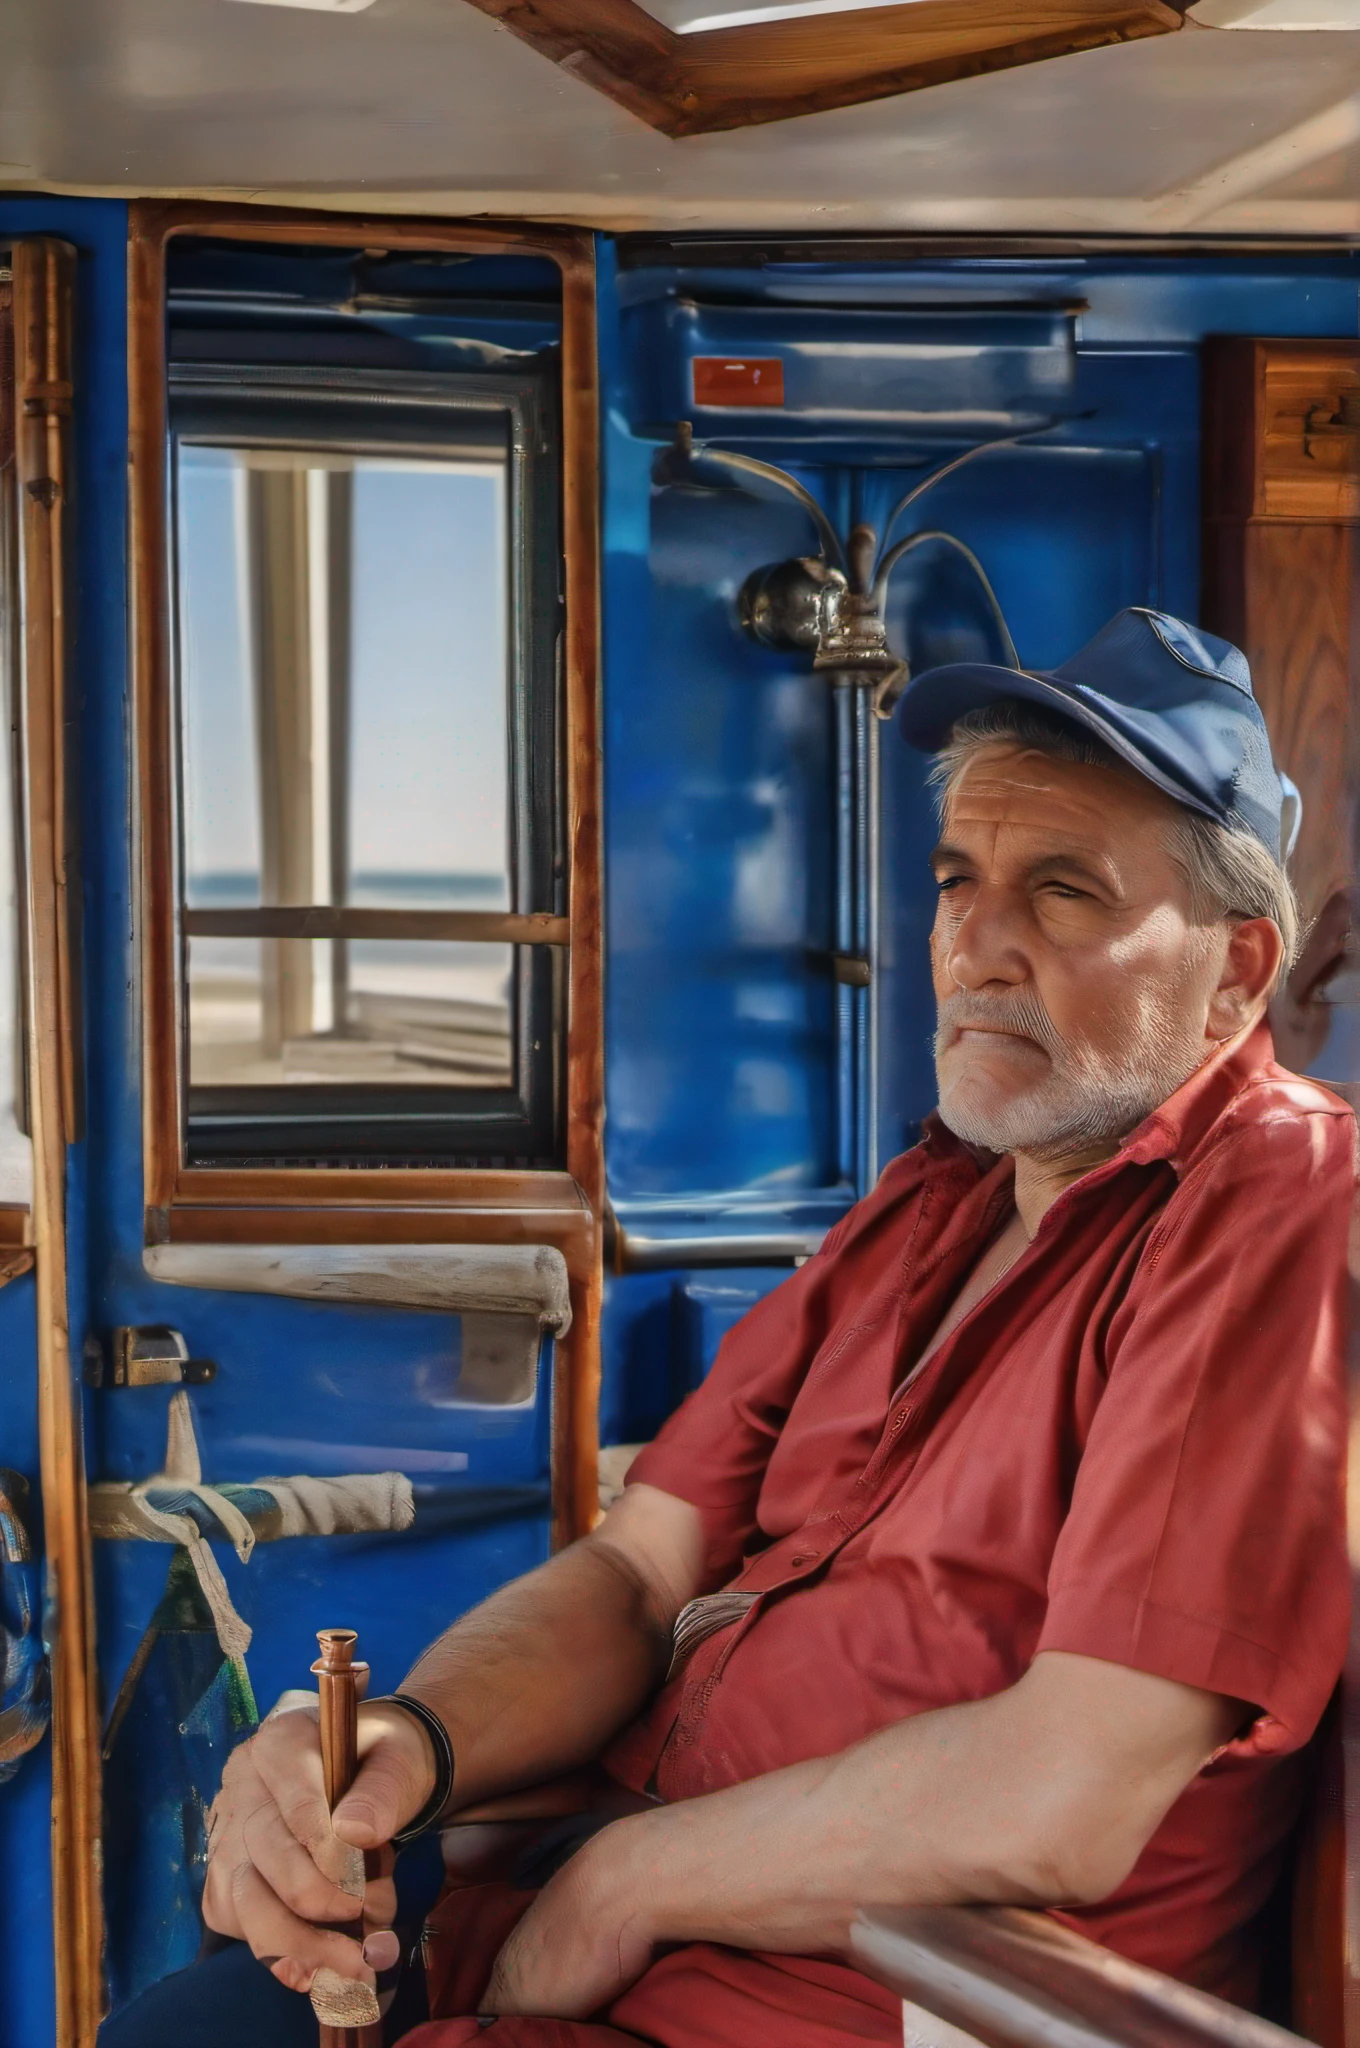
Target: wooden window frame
229,1204
769,71
515,1120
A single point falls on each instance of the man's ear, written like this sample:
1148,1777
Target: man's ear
1300,1013
1250,965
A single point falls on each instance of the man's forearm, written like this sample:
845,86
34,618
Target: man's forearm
536,1680
784,1862
1039,1795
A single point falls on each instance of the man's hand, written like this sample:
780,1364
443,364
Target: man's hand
280,1867
531,1684
586,1937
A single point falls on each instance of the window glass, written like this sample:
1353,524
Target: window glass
221,809
345,679
406,1012
346,708
429,717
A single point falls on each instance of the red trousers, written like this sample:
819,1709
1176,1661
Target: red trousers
697,1997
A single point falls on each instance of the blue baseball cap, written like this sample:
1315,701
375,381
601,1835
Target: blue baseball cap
1173,701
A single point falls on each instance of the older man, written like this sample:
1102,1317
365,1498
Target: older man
1000,1555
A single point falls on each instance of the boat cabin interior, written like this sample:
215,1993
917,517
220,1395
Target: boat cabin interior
474,481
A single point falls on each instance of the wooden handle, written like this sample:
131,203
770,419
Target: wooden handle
337,1681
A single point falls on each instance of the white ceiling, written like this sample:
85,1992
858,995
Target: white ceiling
429,105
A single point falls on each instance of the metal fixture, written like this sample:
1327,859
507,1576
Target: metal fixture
832,604
145,1355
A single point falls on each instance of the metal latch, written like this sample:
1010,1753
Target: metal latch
145,1355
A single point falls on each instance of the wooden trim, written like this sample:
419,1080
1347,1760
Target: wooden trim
768,71
217,1194
149,601
329,921
572,1232
577,1386
44,281
224,1188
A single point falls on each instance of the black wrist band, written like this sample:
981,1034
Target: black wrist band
443,1764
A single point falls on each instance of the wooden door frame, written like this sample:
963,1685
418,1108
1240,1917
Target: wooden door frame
435,1204
44,274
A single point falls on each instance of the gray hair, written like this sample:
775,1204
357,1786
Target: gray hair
1230,874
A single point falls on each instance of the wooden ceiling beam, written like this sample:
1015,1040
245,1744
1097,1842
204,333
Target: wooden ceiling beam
770,71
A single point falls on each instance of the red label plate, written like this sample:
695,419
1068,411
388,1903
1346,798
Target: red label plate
738,380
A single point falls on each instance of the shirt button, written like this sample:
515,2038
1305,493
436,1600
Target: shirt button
805,1557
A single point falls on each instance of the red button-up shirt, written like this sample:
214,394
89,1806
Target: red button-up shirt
1131,1448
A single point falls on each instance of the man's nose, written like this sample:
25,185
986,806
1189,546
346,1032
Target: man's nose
986,944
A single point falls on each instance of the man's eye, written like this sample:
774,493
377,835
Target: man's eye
1065,892
946,882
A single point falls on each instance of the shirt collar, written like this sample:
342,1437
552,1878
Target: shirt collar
1175,1128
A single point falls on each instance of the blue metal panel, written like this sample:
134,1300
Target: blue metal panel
855,372
718,783
1145,300
661,1333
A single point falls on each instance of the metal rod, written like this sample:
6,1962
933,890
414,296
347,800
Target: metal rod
915,540
843,931
947,469
337,1682
1009,1978
687,451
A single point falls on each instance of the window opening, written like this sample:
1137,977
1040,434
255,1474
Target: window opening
366,598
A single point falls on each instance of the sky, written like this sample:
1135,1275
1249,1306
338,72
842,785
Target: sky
429,675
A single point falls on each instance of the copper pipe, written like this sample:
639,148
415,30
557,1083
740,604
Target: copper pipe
337,1679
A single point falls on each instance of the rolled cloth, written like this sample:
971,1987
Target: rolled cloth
275,1507
176,1506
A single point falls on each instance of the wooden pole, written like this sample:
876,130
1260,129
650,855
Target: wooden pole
337,1679
44,286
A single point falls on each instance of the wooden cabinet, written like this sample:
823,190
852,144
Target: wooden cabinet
1281,538
1282,527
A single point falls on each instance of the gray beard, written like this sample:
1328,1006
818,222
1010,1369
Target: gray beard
1082,1100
